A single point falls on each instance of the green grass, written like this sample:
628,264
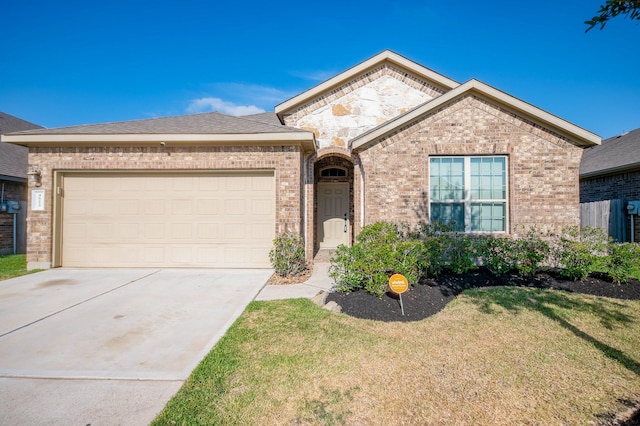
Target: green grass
13,265
493,356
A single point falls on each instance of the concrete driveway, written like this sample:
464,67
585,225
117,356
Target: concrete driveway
110,347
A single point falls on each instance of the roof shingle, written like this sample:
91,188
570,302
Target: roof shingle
205,123
617,153
13,158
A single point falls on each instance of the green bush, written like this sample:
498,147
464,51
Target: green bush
435,239
498,254
459,253
622,260
524,255
287,256
531,252
578,251
381,250
434,249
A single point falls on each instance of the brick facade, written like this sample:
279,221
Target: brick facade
622,185
286,161
542,166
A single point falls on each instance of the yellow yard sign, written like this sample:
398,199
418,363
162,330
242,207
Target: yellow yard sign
398,283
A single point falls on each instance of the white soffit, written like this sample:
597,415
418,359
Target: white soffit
306,139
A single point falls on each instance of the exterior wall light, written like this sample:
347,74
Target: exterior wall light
35,176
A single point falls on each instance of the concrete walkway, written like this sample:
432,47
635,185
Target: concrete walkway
318,281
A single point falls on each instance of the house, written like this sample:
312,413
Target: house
13,187
611,171
388,139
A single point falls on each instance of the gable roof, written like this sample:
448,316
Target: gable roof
193,128
577,135
386,56
13,158
616,154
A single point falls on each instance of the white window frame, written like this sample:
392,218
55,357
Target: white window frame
468,201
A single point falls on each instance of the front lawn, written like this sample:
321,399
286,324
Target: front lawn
493,356
13,265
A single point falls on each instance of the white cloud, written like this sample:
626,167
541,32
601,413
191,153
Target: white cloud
237,99
314,75
265,96
208,104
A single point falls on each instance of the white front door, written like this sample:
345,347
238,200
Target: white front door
333,214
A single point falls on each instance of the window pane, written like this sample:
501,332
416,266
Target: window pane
488,217
446,177
488,178
333,172
449,213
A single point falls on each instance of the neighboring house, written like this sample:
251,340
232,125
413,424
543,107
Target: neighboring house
385,140
611,171
13,187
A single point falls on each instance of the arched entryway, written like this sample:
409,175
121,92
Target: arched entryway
333,202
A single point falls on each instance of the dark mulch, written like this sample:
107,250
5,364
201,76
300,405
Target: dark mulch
432,295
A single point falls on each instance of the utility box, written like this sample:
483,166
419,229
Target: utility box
633,207
13,207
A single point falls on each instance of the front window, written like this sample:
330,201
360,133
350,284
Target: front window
469,193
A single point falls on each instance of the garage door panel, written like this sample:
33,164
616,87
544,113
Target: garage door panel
208,231
207,207
154,207
154,231
152,255
120,219
181,206
127,207
261,231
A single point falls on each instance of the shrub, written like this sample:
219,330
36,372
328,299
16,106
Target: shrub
530,253
458,253
577,251
434,250
287,255
623,258
498,254
381,251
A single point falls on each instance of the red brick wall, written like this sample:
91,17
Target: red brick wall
286,161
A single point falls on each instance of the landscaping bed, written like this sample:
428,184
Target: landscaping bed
431,295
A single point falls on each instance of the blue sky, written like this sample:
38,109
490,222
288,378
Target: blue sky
79,62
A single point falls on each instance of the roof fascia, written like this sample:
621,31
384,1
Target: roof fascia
13,179
578,135
611,171
305,139
385,56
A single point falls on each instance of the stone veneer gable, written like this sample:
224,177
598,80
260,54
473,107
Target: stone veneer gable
361,104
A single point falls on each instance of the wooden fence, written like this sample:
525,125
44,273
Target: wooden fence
609,215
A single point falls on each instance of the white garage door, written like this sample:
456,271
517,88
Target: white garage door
214,220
